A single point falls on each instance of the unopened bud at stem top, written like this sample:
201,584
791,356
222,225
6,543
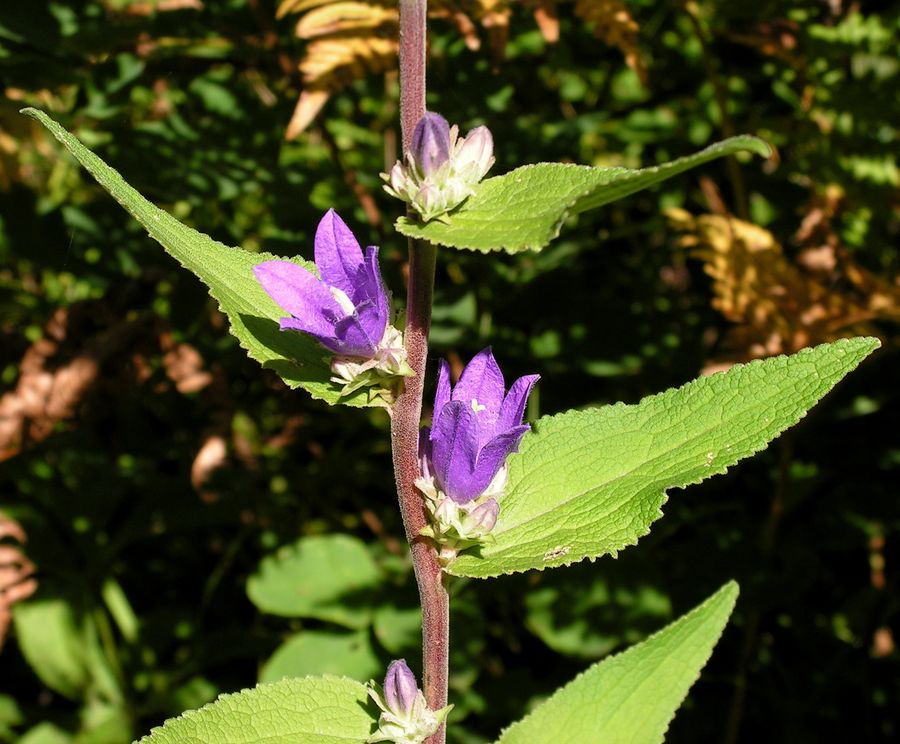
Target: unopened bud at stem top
441,169
431,143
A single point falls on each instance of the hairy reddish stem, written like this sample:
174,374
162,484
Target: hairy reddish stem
413,50
407,411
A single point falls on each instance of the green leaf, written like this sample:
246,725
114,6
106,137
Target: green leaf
525,208
314,710
52,642
632,696
589,483
328,577
323,652
398,629
102,724
60,641
587,613
45,733
10,716
227,271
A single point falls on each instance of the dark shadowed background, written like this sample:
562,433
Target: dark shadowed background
152,466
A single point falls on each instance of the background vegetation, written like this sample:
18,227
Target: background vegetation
153,467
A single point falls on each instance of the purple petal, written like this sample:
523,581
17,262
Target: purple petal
513,407
400,688
371,298
491,459
482,381
442,395
454,449
430,145
351,338
299,293
338,255
296,324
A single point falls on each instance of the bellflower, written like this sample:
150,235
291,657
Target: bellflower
405,716
442,169
476,425
346,308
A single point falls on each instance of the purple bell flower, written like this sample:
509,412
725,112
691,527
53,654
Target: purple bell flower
347,309
476,425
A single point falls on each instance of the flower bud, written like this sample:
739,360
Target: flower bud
475,154
441,169
483,517
428,200
400,688
405,716
431,143
398,178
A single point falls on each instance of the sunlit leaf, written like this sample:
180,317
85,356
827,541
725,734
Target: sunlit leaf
253,315
525,208
632,696
589,483
313,710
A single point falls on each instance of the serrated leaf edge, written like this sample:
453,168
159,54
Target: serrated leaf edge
59,133
554,230
188,714
729,598
720,470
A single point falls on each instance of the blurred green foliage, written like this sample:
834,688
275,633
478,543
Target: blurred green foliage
171,477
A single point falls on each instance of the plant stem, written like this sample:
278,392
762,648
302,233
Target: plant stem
407,412
413,49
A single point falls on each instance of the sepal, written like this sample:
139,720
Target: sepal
383,373
455,527
442,169
405,716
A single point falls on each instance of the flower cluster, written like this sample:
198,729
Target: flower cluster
346,310
405,716
442,168
476,425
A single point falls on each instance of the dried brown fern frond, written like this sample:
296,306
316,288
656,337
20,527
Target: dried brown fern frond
546,17
467,15
612,23
347,19
16,580
332,63
150,7
347,40
351,38
781,305
494,15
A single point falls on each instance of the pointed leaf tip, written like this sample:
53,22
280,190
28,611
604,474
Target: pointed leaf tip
228,273
589,483
631,696
525,208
